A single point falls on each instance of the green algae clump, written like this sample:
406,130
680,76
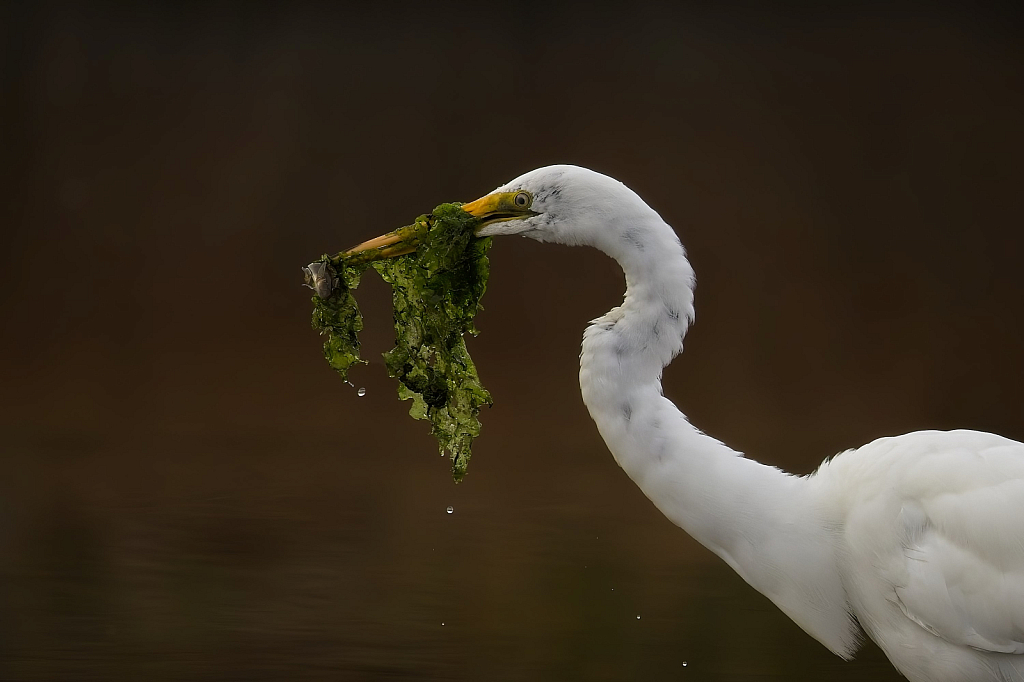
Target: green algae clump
335,312
436,293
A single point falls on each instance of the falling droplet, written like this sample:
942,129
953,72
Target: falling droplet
451,509
361,392
442,625
638,617
684,664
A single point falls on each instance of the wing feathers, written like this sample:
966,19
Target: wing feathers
964,550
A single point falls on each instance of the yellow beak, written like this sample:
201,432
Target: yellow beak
488,209
395,243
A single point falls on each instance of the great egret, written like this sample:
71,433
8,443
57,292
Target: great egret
918,539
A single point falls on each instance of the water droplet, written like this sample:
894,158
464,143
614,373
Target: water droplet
638,617
350,383
361,392
684,664
451,509
442,625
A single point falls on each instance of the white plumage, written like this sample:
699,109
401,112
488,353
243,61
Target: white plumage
917,539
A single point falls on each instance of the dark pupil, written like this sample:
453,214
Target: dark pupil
521,199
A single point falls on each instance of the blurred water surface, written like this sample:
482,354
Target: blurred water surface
263,560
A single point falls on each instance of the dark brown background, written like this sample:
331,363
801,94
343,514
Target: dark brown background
188,491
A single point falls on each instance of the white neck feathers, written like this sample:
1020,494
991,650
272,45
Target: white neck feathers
764,523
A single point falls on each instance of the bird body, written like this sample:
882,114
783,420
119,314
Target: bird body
918,539
933,550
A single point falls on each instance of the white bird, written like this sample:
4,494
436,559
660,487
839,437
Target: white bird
915,540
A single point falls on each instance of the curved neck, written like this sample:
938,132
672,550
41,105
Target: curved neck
769,526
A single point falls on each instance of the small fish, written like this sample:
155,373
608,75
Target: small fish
319,278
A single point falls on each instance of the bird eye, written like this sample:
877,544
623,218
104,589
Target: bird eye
522,200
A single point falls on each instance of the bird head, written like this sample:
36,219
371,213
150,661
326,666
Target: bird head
564,204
